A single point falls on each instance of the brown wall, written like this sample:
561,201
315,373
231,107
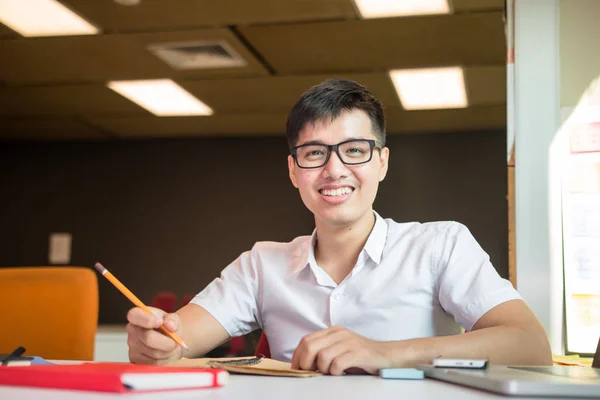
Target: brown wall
169,215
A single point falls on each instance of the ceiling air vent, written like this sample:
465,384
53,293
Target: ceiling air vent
198,55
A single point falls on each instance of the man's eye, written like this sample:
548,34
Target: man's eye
355,151
314,153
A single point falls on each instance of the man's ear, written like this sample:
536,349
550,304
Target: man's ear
384,159
292,170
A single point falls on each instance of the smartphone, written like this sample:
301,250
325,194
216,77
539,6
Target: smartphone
459,363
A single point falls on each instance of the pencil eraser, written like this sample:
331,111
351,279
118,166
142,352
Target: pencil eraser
401,373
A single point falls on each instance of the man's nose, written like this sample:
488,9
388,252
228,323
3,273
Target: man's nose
335,168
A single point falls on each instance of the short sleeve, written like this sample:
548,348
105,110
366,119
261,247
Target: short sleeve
232,298
468,284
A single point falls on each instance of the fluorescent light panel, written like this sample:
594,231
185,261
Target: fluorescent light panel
399,8
430,88
162,97
43,18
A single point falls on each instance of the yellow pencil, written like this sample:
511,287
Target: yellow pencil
111,278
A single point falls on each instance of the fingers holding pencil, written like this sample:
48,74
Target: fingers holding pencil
156,320
144,317
146,344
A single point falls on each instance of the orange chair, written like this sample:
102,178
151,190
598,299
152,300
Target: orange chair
51,311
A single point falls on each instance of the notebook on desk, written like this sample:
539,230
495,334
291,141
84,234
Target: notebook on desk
247,365
112,377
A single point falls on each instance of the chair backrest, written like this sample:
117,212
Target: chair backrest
262,348
166,301
51,311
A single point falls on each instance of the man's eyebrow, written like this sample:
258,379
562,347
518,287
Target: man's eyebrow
321,143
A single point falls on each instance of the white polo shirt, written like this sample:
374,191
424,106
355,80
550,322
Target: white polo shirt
411,280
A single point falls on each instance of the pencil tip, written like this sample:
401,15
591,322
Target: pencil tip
99,267
185,346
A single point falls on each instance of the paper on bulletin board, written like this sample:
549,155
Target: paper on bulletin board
581,243
583,322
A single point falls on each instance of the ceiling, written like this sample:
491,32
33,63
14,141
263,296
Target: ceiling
54,87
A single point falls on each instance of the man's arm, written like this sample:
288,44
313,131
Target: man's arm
231,297
196,326
507,334
201,331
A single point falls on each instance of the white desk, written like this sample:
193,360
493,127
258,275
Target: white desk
111,345
245,387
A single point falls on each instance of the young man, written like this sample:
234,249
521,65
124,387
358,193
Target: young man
363,292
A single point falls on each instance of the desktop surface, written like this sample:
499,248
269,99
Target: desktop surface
271,388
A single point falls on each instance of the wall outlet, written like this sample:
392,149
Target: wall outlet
59,249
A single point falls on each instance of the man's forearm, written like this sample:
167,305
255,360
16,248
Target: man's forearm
503,345
200,330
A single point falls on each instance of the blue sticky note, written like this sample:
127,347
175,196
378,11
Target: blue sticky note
401,373
35,360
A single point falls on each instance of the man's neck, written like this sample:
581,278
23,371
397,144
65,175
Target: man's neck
338,247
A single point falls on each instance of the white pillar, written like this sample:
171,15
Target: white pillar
537,107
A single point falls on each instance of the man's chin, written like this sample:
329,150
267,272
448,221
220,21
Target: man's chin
339,218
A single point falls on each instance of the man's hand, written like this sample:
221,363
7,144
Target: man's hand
148,346
336,350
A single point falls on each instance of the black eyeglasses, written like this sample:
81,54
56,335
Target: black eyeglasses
350,152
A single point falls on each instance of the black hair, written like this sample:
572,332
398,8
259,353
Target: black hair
327,101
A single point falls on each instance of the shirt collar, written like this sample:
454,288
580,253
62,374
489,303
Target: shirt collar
373,247
376,241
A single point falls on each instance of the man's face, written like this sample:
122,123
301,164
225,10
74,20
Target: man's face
336,193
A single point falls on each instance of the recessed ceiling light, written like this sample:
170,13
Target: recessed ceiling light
430,88
162,97
398,8
43,18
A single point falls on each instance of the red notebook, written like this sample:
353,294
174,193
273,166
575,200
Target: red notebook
113,377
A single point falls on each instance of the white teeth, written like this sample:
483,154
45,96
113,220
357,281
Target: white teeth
336,192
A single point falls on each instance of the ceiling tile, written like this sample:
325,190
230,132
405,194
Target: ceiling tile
191,14
438,121
398,121
460,6
7,32
74,100
278,94
486,85
372,45
215,125
87,59
55,129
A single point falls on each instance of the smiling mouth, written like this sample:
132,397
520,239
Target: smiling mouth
336,192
